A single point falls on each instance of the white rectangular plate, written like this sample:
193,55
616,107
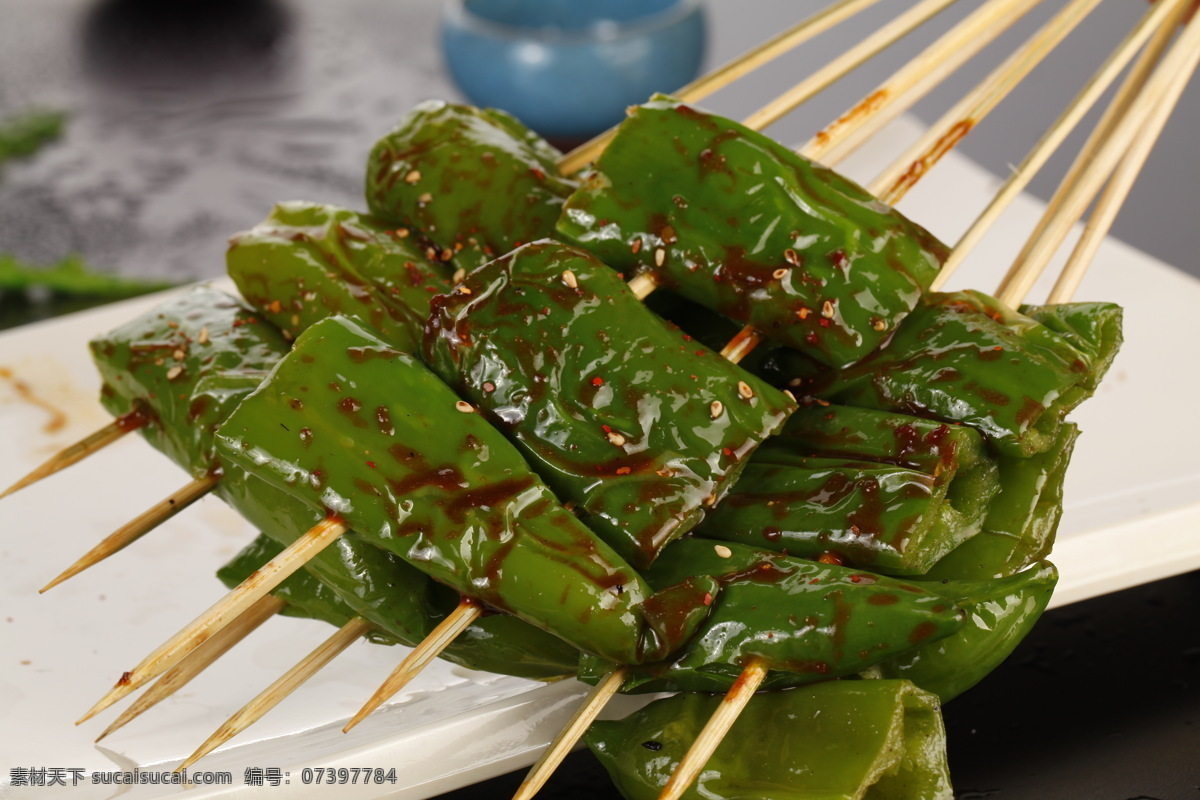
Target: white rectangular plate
1133,507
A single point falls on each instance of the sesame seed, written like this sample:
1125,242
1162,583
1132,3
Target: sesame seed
174,372
790,396
827,309
425,198
779,274
879,325
464,407
716,408
412,177
178,355
402,233
722,551
295,319
569,279
616,438
744,390
447,255
203,337
660,256
461,289
636,246
459,274
791,257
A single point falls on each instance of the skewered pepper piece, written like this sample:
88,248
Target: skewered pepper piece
841,740
1001,614
965,357
914,491
805,620
186,365
1022,520
470,183
741,224
215,331
620,413
305,262
391,450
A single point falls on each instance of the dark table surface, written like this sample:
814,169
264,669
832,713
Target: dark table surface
188,120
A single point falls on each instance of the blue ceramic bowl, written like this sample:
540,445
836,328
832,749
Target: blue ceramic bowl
569,68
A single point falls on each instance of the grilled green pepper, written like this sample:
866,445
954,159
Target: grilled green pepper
470,183
214,331
1021,521
871,489
806,621
358,429
965,357
841,740
640,427
305,262
1000,615
743,225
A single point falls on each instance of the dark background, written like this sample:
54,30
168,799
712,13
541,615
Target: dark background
188,120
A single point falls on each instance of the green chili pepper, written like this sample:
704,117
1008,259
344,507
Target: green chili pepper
916,490
741,224
841,740
470,183
305,262
805,620
1001,614
389,448
1021,521
965,357
214,332
636,424
186,365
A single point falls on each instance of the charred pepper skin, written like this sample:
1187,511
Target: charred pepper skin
743,225
393,451
965,357
216,332
640,427
807,621
470,183
870,489
882,740
305,262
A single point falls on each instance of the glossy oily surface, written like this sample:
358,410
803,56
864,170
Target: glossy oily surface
640,427
844,740
806,621
470,183
741,224
964,357
999,616
362,431
306,261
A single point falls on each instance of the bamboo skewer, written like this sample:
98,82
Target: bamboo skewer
223,611
914,80
438,640
714,730
726,74
570,734
1114,195
892,184
75,453
138,527
881,39
1162,17
1164,86
287,683
198,660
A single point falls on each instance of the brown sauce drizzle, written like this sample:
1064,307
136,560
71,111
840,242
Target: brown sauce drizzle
58,418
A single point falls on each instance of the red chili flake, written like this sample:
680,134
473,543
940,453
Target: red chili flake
597,381
855,579
812,337
700,352
624,470
708,598
488,386
371,464
687,338
537,173
824,323
606,429
727,451
803,312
